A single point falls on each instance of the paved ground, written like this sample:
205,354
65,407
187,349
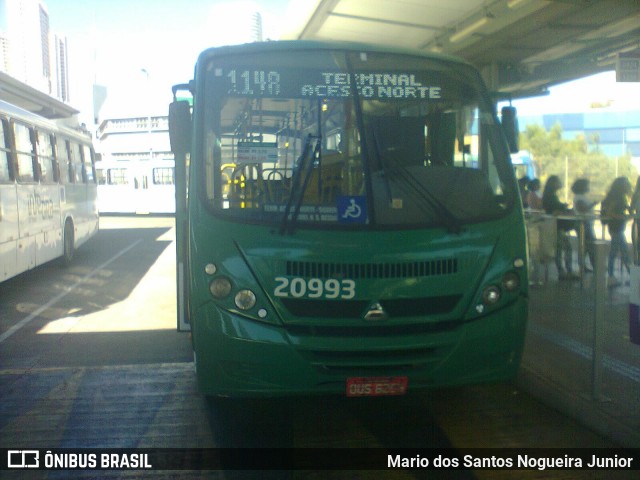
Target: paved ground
90,358
558,363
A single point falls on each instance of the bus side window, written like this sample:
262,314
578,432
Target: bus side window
77,174
25,153
88,163
46,160
5,154
64,167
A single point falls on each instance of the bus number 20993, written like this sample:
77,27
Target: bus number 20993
331,288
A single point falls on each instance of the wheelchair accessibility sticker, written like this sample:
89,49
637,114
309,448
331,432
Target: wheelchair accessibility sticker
352,209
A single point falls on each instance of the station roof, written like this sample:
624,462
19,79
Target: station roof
521,46
33,100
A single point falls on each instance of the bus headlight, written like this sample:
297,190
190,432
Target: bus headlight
491,295
210,268
511,281
220,287
245,299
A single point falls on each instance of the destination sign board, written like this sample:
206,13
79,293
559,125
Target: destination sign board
301,83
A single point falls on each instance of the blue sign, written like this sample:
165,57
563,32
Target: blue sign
352,209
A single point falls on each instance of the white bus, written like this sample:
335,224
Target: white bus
48,191
136,186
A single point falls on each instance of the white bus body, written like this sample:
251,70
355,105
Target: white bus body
136,186
48,191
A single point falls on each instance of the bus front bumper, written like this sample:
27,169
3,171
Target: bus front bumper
239,357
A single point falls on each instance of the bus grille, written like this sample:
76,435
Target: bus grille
370,331
395,308
427,268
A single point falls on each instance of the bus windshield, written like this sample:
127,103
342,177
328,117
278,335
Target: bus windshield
330,138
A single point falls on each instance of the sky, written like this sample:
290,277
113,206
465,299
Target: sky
582,95
138,49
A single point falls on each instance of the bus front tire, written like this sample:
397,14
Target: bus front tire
68,242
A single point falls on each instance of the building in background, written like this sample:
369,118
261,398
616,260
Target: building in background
61,68
613,132
4,51
29,52
257,27
135,169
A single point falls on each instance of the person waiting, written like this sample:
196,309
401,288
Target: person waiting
583,205
552,205
534,196
614,212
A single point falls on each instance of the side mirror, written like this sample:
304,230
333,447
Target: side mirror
510,127
180,127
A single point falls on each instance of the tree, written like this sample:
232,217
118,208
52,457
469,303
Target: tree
553,155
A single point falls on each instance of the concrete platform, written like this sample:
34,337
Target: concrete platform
558,366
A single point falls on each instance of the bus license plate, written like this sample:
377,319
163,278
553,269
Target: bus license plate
376,386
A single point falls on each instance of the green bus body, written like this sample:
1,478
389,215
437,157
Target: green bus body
352,224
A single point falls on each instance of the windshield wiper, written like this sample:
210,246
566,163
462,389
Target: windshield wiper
299,182
428,200
364,148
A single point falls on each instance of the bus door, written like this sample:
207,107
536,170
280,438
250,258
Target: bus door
161,187
115,188
8,207
88,161
29,224
180,138
46,203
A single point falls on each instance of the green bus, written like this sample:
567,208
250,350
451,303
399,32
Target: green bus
348,221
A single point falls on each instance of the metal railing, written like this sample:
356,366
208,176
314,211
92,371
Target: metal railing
544,226
542,236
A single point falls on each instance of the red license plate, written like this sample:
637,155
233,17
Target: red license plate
376,386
